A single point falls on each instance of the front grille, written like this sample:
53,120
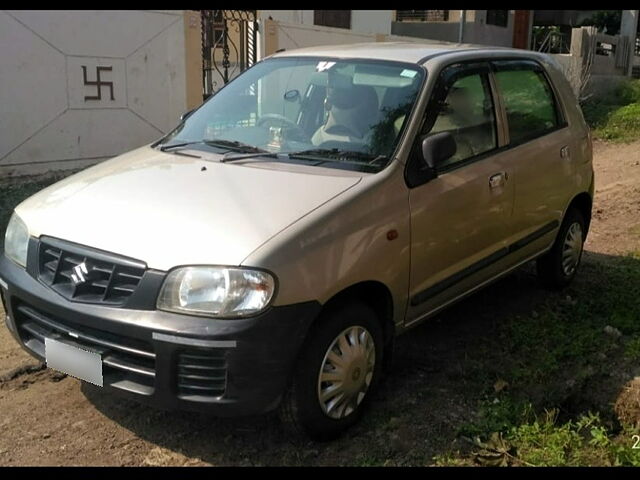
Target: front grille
127,363
85,275
202,374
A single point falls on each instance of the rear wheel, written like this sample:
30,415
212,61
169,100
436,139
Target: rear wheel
557,268
339,365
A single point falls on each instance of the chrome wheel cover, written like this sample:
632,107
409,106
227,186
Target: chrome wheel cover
346,372
572,249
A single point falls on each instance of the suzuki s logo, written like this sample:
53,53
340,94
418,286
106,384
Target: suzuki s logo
79,274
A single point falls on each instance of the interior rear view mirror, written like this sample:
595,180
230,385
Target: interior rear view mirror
292,95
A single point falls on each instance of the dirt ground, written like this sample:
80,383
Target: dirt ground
616,222
50,419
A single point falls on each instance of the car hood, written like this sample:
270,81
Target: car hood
169,209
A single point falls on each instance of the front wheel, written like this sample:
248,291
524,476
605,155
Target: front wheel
339,365
557,267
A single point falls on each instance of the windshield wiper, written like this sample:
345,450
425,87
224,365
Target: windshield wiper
236,145
262,153
325,154
164,148
230,158
335,154
218,142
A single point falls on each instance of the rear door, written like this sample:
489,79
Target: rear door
539,150
459,220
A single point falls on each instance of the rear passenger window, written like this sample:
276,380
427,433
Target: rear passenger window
528,100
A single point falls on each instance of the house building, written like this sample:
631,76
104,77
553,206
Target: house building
508,28
81,86
505,28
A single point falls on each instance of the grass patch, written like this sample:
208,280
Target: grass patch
632,349
559,352
544,441
622,124
585,442
616,115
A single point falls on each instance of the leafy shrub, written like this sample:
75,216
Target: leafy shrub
615,115
622,124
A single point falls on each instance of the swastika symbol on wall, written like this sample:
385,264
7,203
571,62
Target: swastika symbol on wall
98,83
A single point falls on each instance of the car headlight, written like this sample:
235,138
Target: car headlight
224,292
16,240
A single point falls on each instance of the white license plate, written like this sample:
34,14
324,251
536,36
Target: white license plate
73,361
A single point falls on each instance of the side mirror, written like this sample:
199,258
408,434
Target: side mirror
185,115
438,148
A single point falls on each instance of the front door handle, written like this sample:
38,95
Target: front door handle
497,179
564,152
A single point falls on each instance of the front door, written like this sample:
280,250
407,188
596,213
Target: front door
459,220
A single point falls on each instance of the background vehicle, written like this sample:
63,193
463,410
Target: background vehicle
267,251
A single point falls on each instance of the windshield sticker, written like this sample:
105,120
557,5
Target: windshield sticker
322,66
408,73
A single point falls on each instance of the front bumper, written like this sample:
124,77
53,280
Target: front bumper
172,361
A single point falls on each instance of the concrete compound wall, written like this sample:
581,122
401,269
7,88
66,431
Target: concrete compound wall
55,116
603,85
590,72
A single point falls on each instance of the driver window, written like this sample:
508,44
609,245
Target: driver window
354,111
270,101
467,112
243,113
288,84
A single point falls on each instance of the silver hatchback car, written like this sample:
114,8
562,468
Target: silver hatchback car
266,252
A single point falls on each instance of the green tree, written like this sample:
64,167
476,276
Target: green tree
606,21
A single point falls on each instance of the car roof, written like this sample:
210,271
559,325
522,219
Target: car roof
410,52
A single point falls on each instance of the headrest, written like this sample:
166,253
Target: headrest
352,96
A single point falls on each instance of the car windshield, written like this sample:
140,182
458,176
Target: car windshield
324,111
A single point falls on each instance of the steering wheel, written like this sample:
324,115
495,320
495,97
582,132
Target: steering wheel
298,133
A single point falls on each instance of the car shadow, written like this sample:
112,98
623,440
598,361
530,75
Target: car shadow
443,372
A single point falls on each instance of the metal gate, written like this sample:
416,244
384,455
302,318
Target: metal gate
228,46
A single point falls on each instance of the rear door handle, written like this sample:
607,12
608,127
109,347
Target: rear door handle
564,152
497,179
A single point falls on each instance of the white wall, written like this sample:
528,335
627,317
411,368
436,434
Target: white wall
294,35
362,21
45,120
304,17
291,36
371,21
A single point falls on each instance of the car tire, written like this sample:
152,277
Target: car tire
557,268
302,410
